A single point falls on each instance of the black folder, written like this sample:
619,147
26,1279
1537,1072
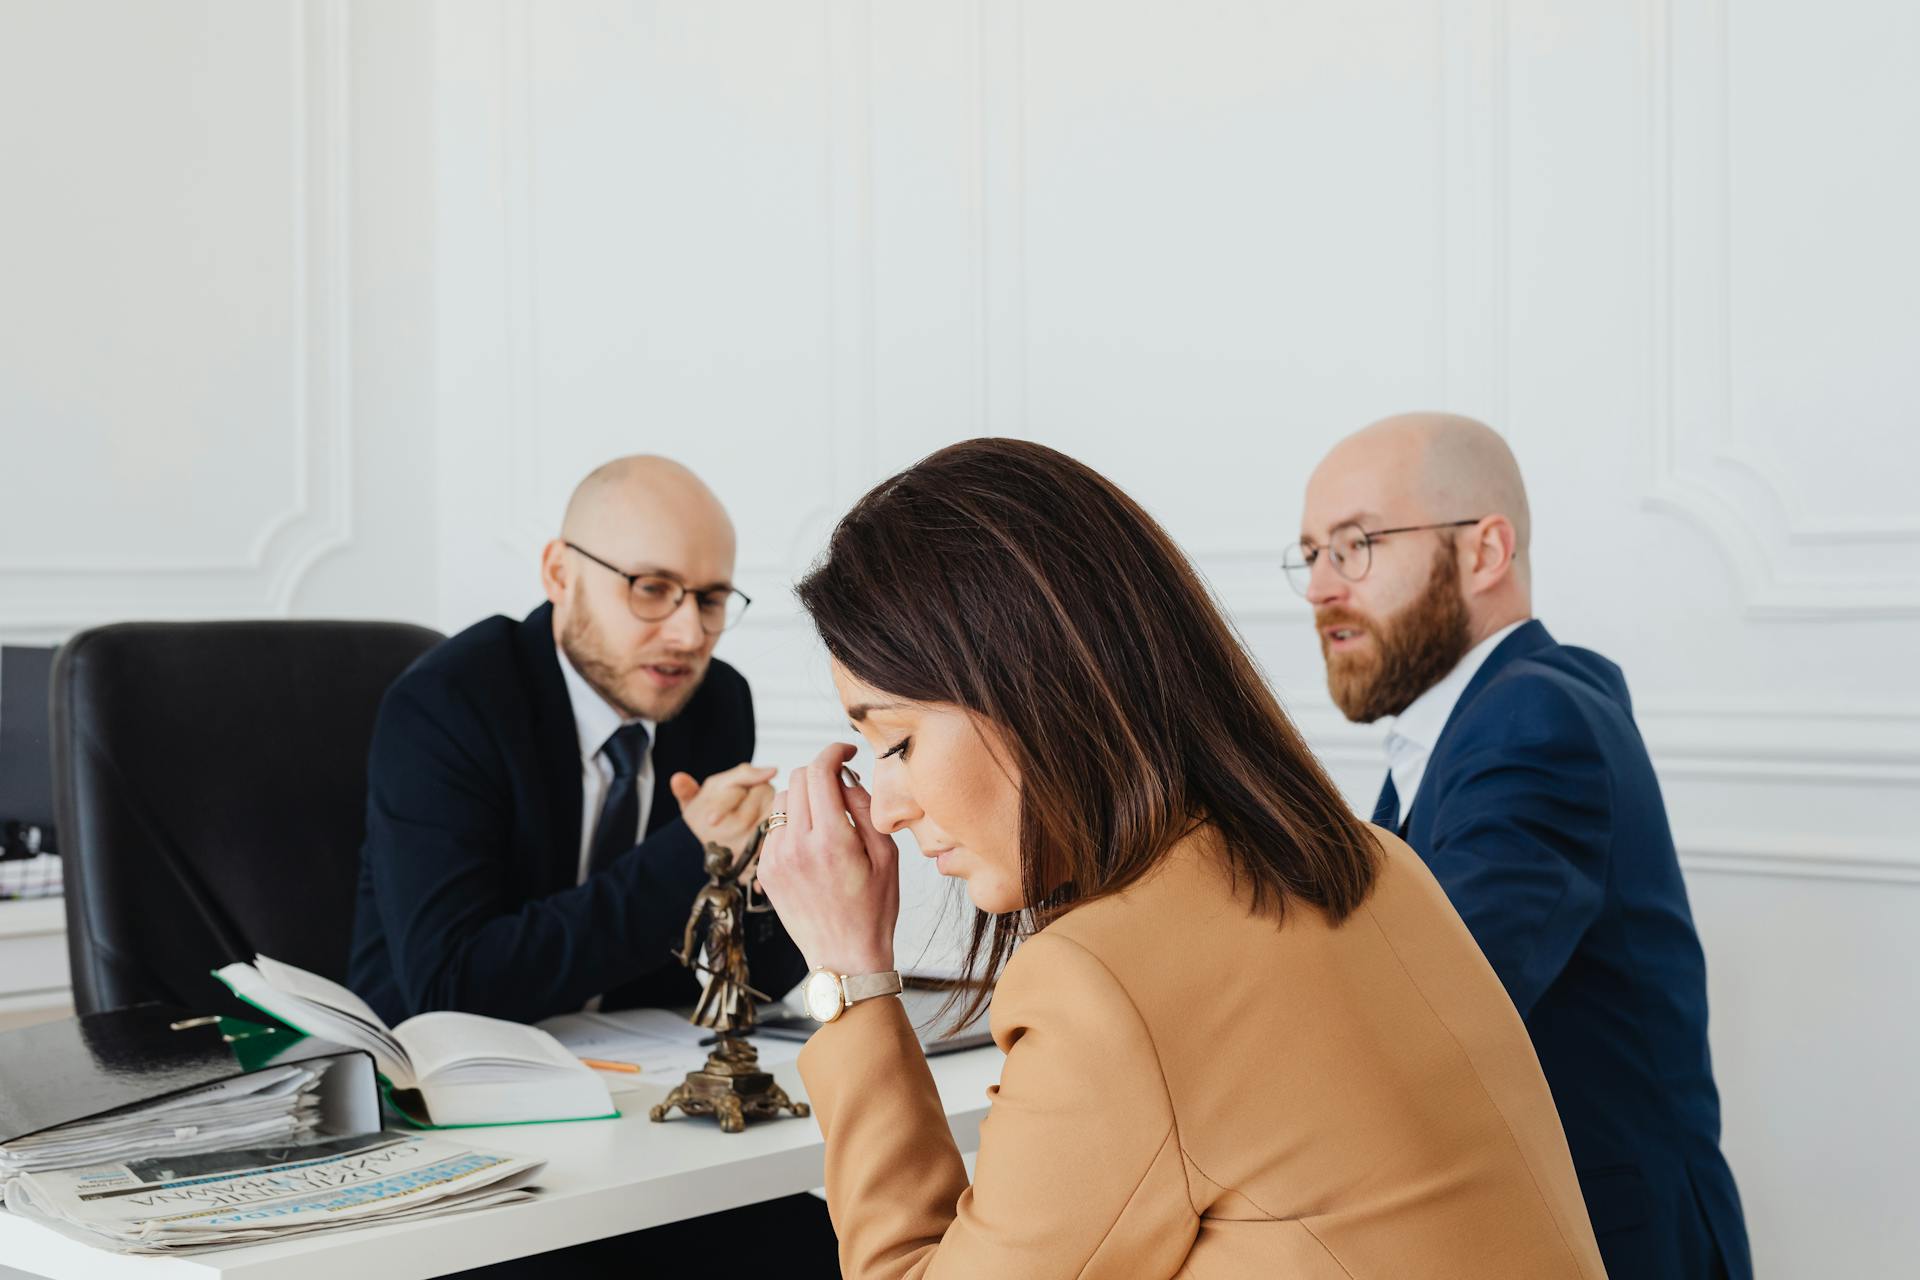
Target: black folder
54,1073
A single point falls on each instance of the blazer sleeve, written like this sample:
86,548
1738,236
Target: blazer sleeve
1080,1171
1522,831
439,851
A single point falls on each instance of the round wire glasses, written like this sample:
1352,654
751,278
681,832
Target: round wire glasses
653,597
1351,549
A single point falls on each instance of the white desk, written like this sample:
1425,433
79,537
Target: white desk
602,1178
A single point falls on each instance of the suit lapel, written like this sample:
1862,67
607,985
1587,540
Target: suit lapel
556,745
1527,639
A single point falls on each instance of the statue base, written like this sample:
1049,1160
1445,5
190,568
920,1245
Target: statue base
731,1087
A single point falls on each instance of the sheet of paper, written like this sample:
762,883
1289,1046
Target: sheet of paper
662,1043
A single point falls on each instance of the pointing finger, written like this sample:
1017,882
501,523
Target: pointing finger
743,776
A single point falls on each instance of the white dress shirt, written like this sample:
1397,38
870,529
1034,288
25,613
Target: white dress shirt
594,721
1416,730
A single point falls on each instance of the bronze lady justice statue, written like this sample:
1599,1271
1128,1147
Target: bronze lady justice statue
731,1086
723,906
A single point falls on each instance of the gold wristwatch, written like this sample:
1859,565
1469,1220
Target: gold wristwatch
829,994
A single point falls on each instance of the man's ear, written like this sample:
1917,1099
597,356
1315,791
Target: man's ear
1491,554
554,570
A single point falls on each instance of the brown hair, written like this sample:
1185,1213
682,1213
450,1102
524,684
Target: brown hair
1006,578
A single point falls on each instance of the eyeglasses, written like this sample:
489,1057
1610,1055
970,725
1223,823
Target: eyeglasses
1352,550
653,597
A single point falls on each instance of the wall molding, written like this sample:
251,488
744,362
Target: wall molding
853,374
332,227
1475,252
847,33
52,599
1729,488
999,51
520,531
1475,200
1753,854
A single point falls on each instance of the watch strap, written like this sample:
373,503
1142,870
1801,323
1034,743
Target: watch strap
867,986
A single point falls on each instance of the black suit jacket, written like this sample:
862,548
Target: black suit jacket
467,896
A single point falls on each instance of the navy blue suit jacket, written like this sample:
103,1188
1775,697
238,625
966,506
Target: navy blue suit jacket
468,894
1540,814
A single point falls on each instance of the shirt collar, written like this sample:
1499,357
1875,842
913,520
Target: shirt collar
1418,728
594,718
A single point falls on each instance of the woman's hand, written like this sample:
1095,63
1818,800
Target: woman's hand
833,879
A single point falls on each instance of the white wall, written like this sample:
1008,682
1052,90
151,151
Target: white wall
375,292
215,312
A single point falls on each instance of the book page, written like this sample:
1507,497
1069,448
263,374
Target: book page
320,1018
311,986
469,1046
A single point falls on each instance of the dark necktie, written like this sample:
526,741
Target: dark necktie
618,829
1386,810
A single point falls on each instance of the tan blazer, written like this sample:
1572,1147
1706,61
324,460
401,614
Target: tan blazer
1191,1091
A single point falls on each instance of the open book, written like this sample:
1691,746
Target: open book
442,1069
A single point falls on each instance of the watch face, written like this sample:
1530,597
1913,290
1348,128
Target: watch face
823,995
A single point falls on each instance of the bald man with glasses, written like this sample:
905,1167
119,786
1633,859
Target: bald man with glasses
541,793
1516,772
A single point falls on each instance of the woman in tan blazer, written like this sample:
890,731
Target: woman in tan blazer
1245,1033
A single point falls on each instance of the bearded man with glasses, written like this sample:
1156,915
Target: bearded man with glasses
1516,772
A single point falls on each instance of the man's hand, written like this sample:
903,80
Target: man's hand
726,808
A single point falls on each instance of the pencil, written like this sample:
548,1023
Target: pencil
604,1064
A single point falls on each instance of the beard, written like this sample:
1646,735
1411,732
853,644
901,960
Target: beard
1411,651
623,684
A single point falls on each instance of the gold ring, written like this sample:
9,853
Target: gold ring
773,822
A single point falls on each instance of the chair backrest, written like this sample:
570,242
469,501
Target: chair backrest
210,784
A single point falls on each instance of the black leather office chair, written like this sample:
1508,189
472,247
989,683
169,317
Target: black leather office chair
210,792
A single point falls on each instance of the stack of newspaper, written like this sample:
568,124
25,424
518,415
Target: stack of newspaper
176,1204
279,1104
